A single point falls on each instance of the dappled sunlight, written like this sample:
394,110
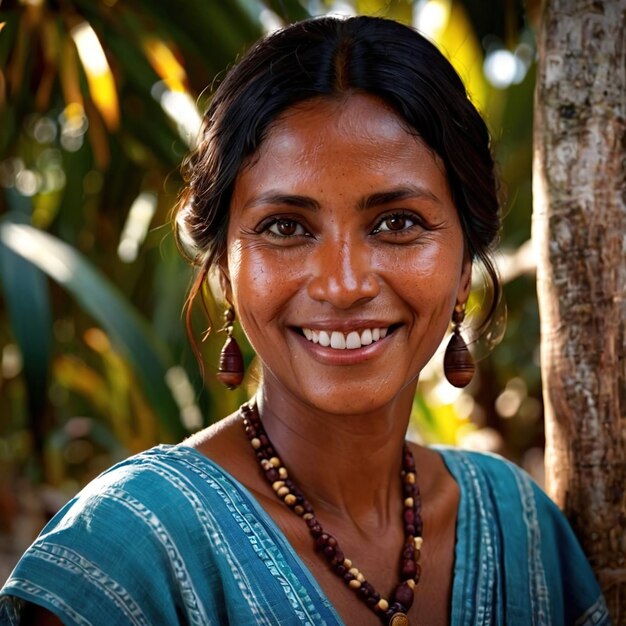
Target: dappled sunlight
99,76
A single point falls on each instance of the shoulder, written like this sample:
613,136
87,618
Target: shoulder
514,525
134,528
489,474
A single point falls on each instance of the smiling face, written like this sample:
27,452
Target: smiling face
345,255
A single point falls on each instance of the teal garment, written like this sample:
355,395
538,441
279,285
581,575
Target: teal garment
168,537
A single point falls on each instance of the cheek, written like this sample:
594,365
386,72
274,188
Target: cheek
258,296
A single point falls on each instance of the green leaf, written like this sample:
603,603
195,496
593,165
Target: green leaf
129,332
27,300
288,10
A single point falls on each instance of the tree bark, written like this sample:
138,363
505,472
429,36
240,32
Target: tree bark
579,228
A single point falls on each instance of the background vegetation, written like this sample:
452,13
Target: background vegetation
99,102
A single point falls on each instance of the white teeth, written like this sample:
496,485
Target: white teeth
366,337
339,341
353,341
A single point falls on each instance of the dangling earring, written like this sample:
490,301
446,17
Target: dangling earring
458,365
230,371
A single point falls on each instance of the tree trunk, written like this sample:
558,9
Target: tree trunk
579,228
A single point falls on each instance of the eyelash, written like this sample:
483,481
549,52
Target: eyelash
267,225
265,228
407,215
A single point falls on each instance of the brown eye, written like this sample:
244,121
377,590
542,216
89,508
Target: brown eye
395,222
286,228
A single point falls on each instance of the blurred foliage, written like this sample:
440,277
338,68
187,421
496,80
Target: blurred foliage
99,103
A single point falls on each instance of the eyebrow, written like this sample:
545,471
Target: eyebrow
272,197
404,192
400,193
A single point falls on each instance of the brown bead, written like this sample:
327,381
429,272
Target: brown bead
230,371
408,569
329,552
340,570
458,364
404,595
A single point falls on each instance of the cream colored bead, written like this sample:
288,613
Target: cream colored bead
290,499
354,584
307,516
354,571
383,605
409,479
298,510
266,465
283,491
347,563
418,541
360,577
411,583
409,502
256,443
275,461
282,473
278,484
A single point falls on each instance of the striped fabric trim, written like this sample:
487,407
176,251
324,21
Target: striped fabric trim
195,611
263,545
486,572
597,614
209,523
539,594
51,599
70,560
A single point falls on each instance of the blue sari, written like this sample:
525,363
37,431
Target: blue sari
168,537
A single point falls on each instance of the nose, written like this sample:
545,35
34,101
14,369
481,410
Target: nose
342,274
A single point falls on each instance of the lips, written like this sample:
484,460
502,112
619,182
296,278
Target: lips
339,340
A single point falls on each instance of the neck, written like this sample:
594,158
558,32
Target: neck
345,464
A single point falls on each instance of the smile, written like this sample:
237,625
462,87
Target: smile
345,341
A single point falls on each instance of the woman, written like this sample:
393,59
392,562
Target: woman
342,190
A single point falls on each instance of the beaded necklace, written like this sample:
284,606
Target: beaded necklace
393,613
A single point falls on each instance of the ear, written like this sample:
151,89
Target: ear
465,284
224,278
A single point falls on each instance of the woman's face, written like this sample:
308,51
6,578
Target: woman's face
345,254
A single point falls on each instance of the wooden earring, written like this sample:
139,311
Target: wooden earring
230,371
458,364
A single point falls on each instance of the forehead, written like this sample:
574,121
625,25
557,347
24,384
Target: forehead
333,122
337,132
